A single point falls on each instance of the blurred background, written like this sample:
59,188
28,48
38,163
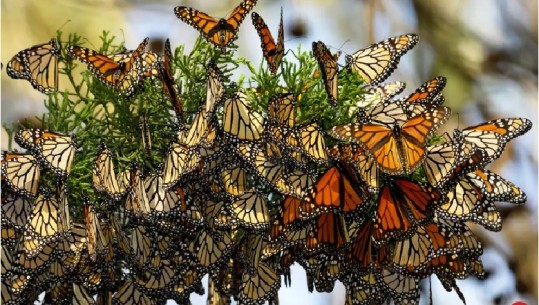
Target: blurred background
486,48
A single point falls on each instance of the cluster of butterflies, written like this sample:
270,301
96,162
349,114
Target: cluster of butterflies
244,195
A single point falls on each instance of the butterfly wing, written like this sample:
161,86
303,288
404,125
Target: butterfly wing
377,140
214,90
37,64
273,52
102,66
416,132
328,65
281,109
376,62
240,121
167,78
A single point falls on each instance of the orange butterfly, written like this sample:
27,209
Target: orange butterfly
427,95
330,69
364,255
121,72
272,52
38,65
167,77
329,231
353,155
219,32
402,204
396,148
333,192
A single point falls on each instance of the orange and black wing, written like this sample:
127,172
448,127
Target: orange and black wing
391,220
273,52
377,140
219,32
333,192
38,65
328,65
376,62
167,77
416,132
106,69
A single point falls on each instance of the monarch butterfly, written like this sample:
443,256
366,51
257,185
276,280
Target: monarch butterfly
167,77
137,200
179,161
260,286
215,297
128,293
144,125
153,283
471,194
376,62
234,180
141,244
64,216
375,95
427,95
352,154
104,177
273,52
269,171
496,188
214,87
219,32
81,296
10,236
397,148
251,210
333,192
188,283
309,139
119,72
416,251
201,132
331,230
15,210
442,160
210,249
253,245
328,65
38,65
402,204
299,183
38,263
57,151
21,173
362,292
403,288
386,113
281,109
96,238
290,211
491,136
240,121
43,225
365,256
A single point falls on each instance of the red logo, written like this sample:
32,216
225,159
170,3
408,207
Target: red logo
519,303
